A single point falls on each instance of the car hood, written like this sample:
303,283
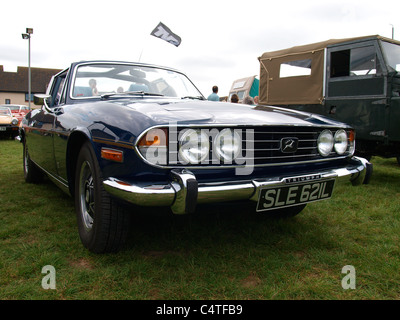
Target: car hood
223,113
5,119
128,118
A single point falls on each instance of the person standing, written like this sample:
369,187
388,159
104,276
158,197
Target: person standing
214,95
235,98
248,100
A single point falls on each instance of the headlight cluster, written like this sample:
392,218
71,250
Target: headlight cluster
339,142
225,146
193,146
14,121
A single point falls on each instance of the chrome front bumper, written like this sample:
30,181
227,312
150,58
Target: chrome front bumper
183,191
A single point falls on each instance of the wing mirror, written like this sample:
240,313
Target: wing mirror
42,99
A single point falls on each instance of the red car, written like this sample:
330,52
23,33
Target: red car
18,110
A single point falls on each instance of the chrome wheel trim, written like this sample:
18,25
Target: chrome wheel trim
86,195
26,164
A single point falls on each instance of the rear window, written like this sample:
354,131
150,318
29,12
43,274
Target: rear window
296,68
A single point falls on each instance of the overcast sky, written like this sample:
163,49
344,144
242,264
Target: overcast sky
221,40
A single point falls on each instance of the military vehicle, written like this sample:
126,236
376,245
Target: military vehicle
353,80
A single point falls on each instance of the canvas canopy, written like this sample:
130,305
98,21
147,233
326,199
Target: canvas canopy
296,75
245,87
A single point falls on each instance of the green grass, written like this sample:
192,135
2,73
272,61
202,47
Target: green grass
221,252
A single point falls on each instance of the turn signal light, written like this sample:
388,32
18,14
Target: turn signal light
352,136
153,146
111,154
154,138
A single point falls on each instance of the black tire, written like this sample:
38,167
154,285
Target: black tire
103,224
32,173
285,213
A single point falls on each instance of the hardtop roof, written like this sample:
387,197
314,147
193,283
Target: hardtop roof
321,46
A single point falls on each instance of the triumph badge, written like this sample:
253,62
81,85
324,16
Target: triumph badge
289,145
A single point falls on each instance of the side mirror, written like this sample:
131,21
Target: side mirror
42,99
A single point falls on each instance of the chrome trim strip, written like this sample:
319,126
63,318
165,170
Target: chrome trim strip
185,185
179,197
147,195
225,191
324,76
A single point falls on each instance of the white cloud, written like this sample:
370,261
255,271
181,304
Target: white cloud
221,40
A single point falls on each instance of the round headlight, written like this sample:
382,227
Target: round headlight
325,143
14,121
194,146
341,142
227,145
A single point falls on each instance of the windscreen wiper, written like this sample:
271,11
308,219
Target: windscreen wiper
130,93
194,97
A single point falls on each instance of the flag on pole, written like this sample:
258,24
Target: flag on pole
163,32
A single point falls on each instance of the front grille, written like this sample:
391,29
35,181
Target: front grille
260,146
265,148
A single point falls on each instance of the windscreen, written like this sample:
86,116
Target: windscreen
94,80
391,52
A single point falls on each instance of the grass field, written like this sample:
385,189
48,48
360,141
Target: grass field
221,252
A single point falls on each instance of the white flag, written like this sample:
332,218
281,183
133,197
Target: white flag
163,32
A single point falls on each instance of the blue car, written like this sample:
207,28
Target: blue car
111,133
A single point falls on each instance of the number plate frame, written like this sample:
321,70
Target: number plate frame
283,196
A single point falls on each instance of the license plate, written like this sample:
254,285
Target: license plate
2,128
291,195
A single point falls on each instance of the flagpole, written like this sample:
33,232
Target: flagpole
140,57
144,45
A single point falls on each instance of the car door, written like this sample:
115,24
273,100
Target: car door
356,88
60,132
40,137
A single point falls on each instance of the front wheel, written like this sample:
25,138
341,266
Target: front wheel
102,223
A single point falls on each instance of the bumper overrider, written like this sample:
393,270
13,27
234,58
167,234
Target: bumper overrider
183,192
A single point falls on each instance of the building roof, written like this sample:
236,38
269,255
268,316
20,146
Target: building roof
18,81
